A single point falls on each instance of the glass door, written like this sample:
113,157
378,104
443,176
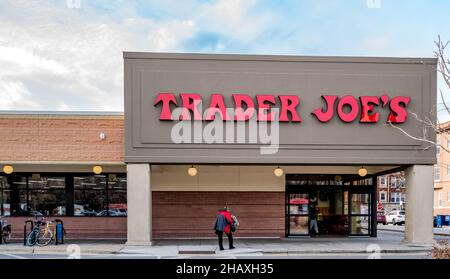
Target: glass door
297,217
360,219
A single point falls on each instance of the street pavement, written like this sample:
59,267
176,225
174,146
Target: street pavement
308,256
401,228
387,245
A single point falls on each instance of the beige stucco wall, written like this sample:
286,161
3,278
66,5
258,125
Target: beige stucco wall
236,178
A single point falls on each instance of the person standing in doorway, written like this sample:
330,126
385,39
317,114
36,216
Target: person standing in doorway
223,225
313,218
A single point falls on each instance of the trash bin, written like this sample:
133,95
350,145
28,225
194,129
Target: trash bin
59,232
439,221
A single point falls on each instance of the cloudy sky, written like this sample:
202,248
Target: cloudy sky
67,54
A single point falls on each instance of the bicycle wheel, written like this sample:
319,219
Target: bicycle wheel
45,237
6,234
32,237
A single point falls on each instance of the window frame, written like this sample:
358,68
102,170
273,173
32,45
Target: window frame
438,172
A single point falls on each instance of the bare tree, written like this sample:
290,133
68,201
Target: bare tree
443,68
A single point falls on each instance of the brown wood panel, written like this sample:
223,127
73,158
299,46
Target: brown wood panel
192,214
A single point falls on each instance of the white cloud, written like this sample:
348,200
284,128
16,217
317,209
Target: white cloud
53,55
233,18
14,94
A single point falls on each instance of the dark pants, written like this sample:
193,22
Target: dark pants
220,236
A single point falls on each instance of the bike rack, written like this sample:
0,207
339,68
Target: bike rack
31,222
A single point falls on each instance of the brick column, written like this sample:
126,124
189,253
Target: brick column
139,204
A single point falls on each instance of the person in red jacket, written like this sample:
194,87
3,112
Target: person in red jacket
223,225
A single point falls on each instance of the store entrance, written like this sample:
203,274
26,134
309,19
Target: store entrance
338,205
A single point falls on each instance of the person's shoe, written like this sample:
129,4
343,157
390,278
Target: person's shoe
221,249
232,247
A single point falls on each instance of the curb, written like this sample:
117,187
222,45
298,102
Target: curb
436,233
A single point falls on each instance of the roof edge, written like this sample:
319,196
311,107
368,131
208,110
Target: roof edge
280,58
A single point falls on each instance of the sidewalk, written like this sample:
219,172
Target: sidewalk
250,247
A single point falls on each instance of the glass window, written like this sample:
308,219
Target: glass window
298,224
393,197
448,196
440,199
117,194
437,175
360,203
393,182
448,143
448,169
438,150
298,204
93,195
90,195
46,196
383,181
360,225
13,195
383,196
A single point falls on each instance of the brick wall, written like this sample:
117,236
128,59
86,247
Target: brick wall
185,214
61,138
192,214
80,227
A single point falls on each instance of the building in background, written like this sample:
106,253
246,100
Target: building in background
391,191
442,172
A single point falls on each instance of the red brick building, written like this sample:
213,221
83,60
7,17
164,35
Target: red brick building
391,191
52,155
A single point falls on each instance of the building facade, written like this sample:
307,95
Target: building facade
442,172
272,137
330,115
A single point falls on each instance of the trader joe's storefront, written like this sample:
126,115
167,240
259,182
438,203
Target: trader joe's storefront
252,132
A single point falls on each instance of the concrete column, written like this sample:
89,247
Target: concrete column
139,197
419,205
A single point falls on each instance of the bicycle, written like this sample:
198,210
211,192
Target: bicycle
6,231
42,233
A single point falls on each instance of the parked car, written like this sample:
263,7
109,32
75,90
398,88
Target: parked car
110,212
396,217
87,212
120,211
381,218
34,213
